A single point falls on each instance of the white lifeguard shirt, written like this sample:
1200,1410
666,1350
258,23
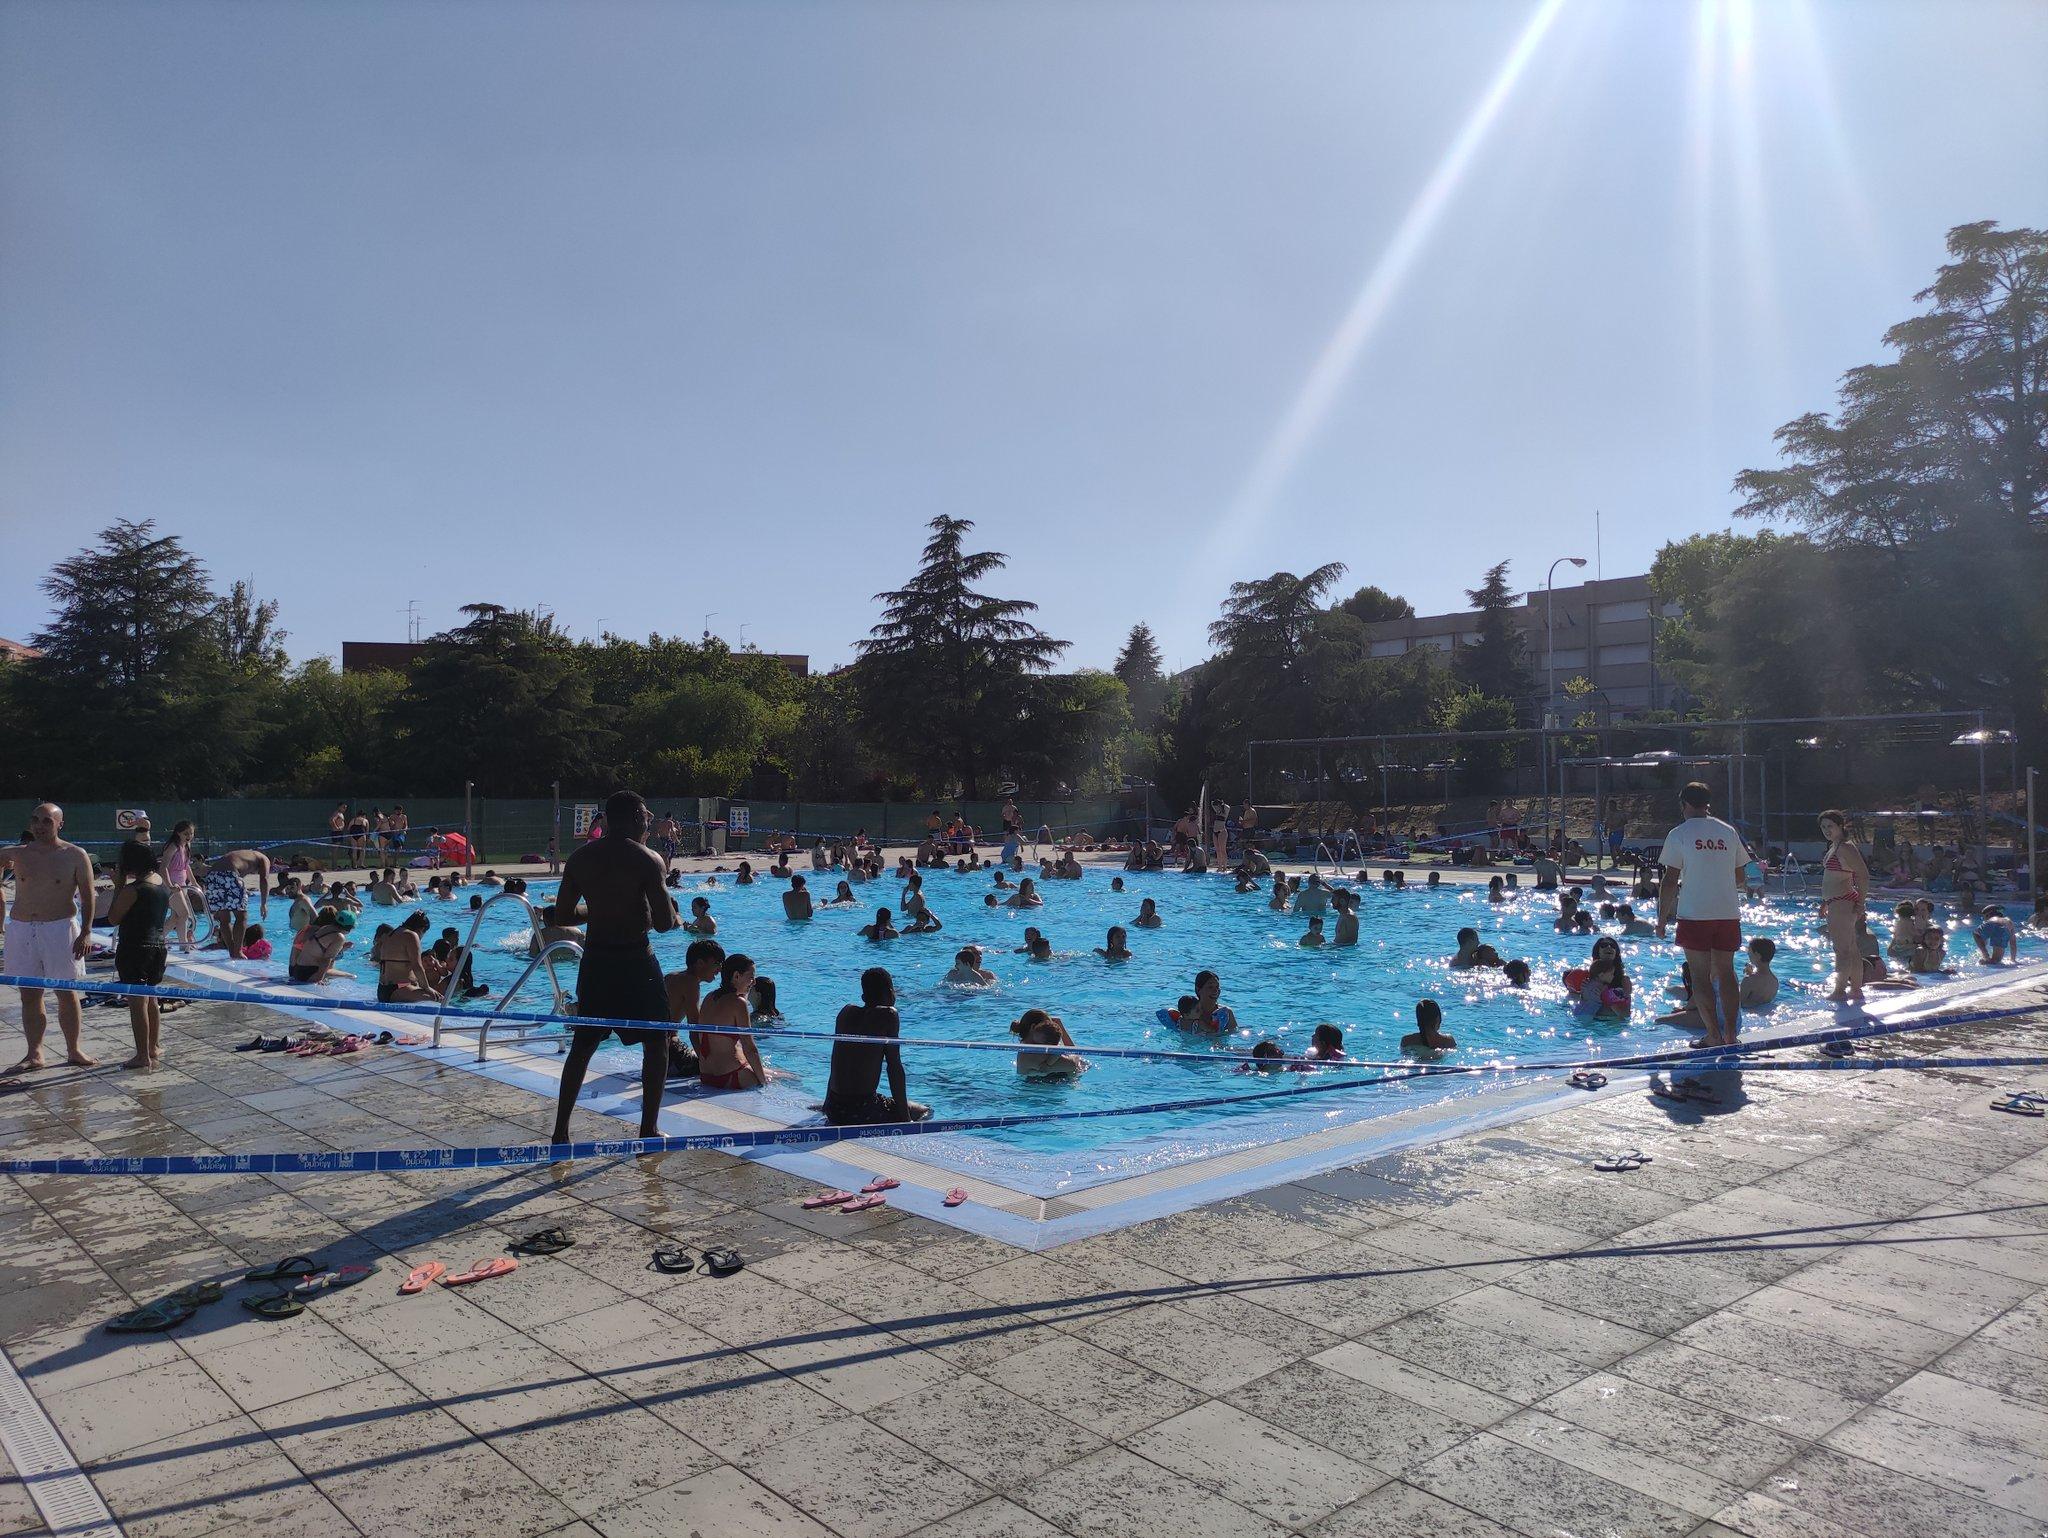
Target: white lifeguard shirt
1709,855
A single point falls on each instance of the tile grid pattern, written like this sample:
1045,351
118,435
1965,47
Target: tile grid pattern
1822,1312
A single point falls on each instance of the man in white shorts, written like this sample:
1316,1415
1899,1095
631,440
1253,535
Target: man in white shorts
1702,885
48,931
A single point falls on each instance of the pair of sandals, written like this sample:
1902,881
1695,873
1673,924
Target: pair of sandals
2023,1102
303,1281
173,1309
1684,1092
424,1276
1622,1163
1588,1078
871,1195
721,1260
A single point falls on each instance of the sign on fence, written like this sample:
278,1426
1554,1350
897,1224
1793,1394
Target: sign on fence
736,825
583,812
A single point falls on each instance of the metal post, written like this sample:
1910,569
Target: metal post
468,828
555,833
2033,874
1983,805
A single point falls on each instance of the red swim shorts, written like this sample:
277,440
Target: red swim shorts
1710,935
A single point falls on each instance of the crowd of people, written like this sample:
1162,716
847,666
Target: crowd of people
616,891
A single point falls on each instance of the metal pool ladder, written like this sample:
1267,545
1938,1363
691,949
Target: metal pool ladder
550,952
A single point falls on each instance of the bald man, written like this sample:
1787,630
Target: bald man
48,930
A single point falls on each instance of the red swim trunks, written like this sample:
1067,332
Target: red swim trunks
1710,935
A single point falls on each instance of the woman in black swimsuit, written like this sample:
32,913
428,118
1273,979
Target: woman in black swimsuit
138,912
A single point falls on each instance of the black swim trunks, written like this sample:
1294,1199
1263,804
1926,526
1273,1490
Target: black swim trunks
139,963
621,982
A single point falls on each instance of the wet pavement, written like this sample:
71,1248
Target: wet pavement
1821,1308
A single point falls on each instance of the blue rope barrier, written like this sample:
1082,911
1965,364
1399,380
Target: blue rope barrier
400,1160
1681,1055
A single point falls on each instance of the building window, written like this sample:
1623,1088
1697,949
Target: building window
1633,608
1572,658
1616,656
1440,643
1393,648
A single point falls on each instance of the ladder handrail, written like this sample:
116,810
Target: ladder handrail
468,949
546,958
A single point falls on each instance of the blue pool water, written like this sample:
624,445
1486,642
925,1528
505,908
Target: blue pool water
1277,989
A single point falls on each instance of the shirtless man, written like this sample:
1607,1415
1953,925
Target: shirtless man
796,902
228,901
47,935
614,885
701,964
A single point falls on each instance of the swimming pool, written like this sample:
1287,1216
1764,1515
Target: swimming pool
1277,988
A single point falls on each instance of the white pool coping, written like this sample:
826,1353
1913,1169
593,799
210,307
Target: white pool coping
1031,1221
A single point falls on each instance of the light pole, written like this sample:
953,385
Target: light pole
1550,673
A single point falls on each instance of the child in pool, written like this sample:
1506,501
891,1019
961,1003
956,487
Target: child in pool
1314,936
1428,1038
1116,949
1039,1029
1266,1058
1326,1044
1759,983
1516,972
968,972
254,946
1467,956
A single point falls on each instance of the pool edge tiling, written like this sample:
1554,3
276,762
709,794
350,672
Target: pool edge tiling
1014,1214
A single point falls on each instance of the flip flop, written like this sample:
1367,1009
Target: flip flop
1587,1078
866,1203
160,1315
2022,1103
276,1305
253,1046
291,1268
722,1261
880,1183
673,1262
826,1199
277,1044
333,1281
482,1271
1838,1049
423,1277
1622,1163
196,1294
549,1241
956,1196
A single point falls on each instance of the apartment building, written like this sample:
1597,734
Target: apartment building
1603,631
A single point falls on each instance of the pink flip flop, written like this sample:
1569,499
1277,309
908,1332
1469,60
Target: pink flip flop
956,1196
880,1183
423,1277
826,1199
864,1203
482,1271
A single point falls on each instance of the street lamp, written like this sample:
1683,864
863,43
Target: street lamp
1550,667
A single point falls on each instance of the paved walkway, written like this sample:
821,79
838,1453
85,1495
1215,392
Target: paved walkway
1820,1312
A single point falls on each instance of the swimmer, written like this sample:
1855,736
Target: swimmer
1496,890
761,1006
924,921
1931,949
1031,938
1347,918
968,972
1605,994
1116,948
1039,1029
745,877
1633,927
1326,1044
729,1062
841,898
1905,933
1467,956
1041,949
1428,1038
1116,883
1313,898
1148,915
1486,956
1436,879
1516,972
1210,1014
796,902
701,922
1266,1058
1279,901
881,929
1997,941
1314,937
1026,896
1759,987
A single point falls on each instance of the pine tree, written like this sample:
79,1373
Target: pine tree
1137,667
946,673
1496,665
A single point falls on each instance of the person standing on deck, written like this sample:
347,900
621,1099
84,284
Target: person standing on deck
47,933
228,900
1702,885
614,886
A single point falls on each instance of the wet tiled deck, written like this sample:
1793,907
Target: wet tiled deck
1820,1310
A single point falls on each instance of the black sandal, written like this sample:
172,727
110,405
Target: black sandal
276,1305
549,1241
290,1269
722,1261
673,1262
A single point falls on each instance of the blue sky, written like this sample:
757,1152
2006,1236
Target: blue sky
638,311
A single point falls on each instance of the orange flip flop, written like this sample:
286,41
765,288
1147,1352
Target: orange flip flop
423,1277
482,1271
